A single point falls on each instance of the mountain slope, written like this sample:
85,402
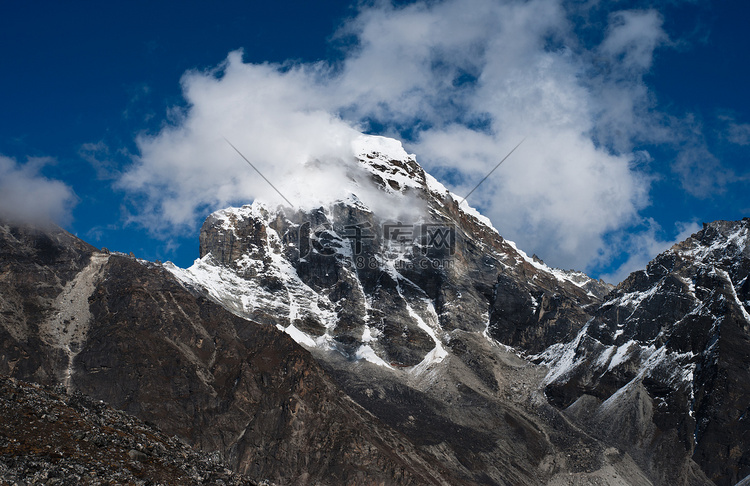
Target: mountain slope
145,344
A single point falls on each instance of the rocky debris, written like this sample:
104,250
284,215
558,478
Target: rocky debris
50,437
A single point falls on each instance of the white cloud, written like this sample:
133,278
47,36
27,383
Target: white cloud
632,37
28,196
739,133
272,115
700,172
557,195
467,80
564,189
101,159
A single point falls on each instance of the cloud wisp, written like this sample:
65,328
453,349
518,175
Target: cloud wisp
27,196
460,81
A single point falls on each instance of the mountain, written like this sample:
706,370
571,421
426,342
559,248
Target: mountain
383,332
406,314
671,344
428,334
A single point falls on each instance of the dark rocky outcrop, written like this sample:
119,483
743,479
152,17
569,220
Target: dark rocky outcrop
674,338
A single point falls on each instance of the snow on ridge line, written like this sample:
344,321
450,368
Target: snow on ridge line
470,210
246,211
560,275
702,251
393,149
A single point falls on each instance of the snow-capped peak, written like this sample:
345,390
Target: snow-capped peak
327,272
389,148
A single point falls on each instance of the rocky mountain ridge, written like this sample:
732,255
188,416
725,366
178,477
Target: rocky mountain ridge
390,335
677,331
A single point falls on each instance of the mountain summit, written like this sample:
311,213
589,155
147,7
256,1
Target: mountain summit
389,278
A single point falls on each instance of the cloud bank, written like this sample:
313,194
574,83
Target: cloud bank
461,82
28,196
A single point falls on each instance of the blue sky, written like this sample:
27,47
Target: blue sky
635,113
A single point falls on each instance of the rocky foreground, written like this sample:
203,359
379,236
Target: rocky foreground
48,436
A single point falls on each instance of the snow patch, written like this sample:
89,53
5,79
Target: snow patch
578,279
368,354
562,358
737,300
622,354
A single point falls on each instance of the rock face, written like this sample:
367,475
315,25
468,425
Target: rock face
392,336
37,266
672,342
